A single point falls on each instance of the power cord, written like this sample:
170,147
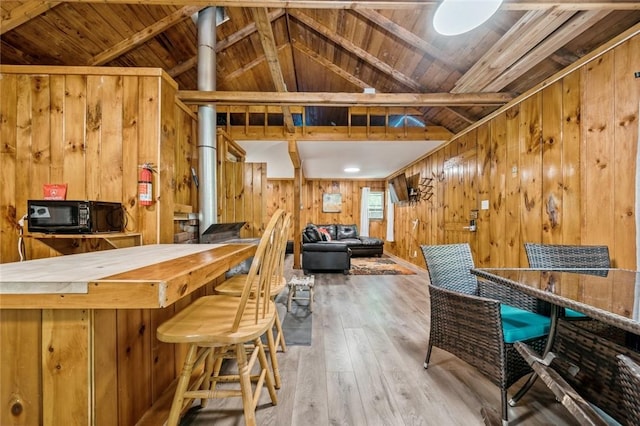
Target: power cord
21,247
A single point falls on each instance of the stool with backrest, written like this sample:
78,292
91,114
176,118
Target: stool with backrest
217,328
234,286
480,322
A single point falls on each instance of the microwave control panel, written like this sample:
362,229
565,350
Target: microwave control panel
83,214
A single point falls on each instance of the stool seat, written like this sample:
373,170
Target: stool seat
209,319
301,284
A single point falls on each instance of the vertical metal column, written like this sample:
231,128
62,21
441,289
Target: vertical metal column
207,153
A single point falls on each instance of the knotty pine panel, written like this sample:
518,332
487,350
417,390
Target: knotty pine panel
21,333
567,153
625,140
105,359
512,201
598,151
552,165
8,133
571,167
530,173
483,156
497,192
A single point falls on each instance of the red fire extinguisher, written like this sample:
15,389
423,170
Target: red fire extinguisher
145,184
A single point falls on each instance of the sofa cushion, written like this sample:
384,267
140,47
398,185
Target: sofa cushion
331,228
351,241
347,231
311,234
325,234
371,241
325,246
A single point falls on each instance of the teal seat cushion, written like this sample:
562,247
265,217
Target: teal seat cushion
518,324
570,313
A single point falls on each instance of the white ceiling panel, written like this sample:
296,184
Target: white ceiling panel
327,160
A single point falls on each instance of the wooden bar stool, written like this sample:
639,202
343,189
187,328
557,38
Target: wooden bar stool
233,287
220,327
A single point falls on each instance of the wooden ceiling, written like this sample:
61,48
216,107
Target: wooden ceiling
325,46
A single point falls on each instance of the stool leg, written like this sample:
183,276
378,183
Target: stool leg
273,354
262,358
245,386
208,375
292,293
183,384
279,334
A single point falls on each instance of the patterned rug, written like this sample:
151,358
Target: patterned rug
377,266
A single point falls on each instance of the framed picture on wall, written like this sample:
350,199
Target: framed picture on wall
331,203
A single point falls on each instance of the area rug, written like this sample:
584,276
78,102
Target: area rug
296,324
377,266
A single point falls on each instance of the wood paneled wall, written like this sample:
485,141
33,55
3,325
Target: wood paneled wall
558,166
90,128
280,195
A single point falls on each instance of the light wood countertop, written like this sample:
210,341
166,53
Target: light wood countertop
150,276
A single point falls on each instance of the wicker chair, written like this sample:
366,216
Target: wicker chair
549,256
480,322
567,256
630,382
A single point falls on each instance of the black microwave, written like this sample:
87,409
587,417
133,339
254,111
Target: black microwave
74,217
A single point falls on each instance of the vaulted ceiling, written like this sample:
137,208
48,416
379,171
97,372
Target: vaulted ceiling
326,46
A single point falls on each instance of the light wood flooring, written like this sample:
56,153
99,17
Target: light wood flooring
365,367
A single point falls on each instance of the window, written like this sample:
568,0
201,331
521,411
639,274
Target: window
376,204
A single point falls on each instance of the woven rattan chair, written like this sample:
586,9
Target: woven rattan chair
567,256
235,284
221,327
550,256
480,322
630,382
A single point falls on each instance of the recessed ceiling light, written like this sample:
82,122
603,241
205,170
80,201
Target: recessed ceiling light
455,17
352,169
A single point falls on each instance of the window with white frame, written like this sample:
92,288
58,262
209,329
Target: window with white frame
375,204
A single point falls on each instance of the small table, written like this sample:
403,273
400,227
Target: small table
296,284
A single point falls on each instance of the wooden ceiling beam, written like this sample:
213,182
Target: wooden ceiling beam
343,99
531,29
403,34
294,154
246,31
384,4
315,56
254,63
579,23
25,12
356,50
268,41
221,45
144,35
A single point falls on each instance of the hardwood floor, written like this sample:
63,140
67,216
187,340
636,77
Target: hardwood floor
365,367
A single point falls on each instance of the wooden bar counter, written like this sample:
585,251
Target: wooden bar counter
77,332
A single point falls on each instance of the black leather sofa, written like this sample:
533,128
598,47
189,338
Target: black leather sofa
330,247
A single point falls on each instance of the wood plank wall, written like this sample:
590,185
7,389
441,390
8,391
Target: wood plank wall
280,195
90,128
557,167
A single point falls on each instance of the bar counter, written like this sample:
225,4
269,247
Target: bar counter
77,332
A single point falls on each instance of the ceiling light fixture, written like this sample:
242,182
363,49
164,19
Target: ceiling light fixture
455,17
352,169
